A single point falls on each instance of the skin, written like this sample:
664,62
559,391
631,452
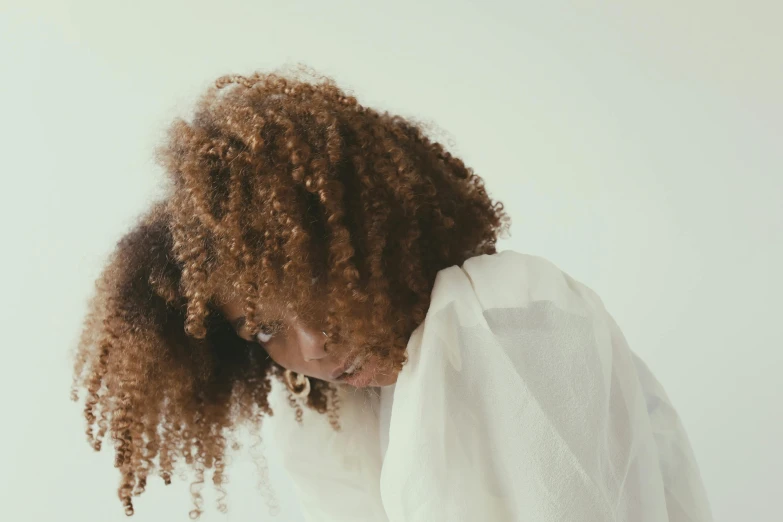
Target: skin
298,344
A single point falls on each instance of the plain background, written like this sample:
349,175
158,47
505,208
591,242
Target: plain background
636,146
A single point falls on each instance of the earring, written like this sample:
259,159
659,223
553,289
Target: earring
298,384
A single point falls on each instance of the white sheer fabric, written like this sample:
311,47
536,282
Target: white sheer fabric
521,400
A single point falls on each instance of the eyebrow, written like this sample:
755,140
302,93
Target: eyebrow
238,323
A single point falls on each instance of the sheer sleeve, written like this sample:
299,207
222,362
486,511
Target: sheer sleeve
521,401
335,474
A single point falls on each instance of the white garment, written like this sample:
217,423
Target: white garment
387,399
521,400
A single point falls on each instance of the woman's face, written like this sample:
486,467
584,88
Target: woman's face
299,345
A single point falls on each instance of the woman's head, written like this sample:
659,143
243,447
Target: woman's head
302,231
294,341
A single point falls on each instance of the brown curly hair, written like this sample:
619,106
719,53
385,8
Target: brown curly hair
277,181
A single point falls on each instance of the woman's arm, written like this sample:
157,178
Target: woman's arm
520,402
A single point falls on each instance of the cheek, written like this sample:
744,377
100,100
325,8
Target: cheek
285,355
276,350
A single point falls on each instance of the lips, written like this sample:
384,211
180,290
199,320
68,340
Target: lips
347,368
361,377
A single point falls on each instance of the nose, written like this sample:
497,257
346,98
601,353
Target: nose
312,343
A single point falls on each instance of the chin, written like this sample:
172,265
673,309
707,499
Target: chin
369,376
384,380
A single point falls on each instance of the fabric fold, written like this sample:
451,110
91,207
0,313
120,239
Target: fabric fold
521,400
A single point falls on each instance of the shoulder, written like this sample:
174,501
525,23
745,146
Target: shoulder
512,279
512,262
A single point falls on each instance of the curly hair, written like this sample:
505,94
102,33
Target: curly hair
277,181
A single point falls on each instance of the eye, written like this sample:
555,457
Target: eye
267,331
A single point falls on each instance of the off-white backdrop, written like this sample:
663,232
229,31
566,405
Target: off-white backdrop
636,146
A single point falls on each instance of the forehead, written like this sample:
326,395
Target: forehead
227,295
232,310
311,308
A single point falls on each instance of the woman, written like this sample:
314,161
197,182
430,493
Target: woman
312,241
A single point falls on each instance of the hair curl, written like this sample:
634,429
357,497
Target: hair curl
277,181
